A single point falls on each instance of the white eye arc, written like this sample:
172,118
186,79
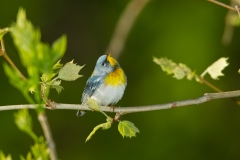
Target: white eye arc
103,64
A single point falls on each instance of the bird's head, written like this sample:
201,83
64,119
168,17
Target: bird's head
105,65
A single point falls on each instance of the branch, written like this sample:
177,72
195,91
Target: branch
224,5
47,132
125,110
124,26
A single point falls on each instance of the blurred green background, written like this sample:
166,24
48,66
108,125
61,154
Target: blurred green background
185,31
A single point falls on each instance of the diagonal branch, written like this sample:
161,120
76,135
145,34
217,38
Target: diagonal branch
4,54
125,110
224,5
48,134
124,26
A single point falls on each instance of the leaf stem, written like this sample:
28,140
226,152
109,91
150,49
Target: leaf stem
210,85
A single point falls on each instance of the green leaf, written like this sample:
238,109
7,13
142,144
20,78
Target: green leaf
234,20
215,70
56,85
3,157
40,150
104,126
47,77
24,122
3,32
69,72
16,81
127,129
179,71
92,104
58,65
37,57
29,157
59,48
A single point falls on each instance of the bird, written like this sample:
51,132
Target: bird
107,83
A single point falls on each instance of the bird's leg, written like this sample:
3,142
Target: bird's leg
112,107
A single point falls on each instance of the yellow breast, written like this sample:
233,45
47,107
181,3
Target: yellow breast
116,78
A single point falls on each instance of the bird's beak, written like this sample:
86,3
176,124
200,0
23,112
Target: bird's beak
108,56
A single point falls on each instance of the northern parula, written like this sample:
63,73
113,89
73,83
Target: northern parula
106,84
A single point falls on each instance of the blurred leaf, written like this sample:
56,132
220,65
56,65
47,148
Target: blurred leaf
167,65
179,71
36,56
32,89
32,51
24,122
3,32
215,70
58,65
92,104
40,150
59,48
16,81
3,157
69,72
104,126
127,128
234,20
29,157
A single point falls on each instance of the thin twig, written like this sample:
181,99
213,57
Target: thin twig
223,5
4,54
124,26
237,8
125,110
48,135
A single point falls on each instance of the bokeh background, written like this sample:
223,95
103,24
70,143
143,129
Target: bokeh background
185,31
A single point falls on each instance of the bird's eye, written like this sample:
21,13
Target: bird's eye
103,64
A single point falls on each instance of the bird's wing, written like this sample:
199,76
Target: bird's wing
92,84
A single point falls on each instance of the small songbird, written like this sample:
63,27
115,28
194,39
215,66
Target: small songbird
106,84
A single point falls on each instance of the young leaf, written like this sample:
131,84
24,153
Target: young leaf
179,71
127,129
3,157
69,72
215,70
47,77
92,104
58,65
3,32
104,126
56,85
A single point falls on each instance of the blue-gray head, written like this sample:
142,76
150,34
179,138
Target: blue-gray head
105,65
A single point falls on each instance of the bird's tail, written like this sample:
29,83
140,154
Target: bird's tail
80,113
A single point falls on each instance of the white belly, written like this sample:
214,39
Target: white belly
108,95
